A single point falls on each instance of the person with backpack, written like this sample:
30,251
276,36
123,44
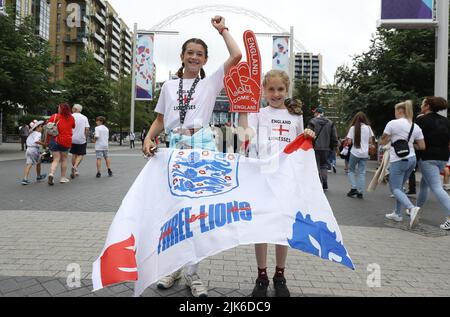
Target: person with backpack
326,141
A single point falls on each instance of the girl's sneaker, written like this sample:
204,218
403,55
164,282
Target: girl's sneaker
281,290
64,180
260,289
446,225
25,182
198,289
50,179
395,217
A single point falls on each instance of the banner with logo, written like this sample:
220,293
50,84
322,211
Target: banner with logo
281,53
407,9
144,71
187,205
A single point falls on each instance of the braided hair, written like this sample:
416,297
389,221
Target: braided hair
184,48
294,106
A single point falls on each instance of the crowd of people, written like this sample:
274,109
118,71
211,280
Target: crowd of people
65,131
425,142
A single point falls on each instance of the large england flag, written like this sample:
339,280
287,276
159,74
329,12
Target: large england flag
187,205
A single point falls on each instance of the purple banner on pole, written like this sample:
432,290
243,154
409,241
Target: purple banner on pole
406,9
144,67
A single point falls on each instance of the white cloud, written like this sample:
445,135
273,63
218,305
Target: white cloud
335,29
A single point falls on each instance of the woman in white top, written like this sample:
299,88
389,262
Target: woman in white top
184,109
401,167
360,135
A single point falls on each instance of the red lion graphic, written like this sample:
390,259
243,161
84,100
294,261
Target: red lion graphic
118,263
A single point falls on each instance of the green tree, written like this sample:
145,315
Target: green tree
86,83
399,65
119,114
24,62
309,95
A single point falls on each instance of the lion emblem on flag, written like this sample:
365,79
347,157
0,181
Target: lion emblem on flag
202,173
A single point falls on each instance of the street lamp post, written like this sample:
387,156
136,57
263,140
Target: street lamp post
441,65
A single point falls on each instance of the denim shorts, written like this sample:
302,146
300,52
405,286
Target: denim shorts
55,147
101,154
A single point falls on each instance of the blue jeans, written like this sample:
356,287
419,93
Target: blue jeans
357,179
398,175
431,179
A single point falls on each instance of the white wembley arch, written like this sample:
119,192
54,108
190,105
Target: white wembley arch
226,8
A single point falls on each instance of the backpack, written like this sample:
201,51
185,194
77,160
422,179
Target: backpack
51,128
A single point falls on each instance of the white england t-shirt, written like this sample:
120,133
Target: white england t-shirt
33,138
102,135
366,134
202,102
275,129
399,129
81,123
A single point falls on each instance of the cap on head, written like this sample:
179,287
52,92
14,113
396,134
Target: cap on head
35,123
319,110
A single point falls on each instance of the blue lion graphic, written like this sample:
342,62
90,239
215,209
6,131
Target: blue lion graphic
304,228
198,176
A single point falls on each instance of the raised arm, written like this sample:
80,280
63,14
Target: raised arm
218,23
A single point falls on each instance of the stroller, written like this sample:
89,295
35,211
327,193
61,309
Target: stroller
46,156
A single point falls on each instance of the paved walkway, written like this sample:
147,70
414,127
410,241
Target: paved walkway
42,238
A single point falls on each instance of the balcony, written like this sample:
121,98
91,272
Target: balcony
99,38
100,19
127,70
115,35
99,58
78,40
127,55
116,26
114,69
128,40
114,77
115,44
114,61
115,52
101,3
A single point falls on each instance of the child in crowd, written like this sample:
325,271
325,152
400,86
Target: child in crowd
33,155
102,146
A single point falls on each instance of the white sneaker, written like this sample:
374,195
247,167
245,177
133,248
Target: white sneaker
168,281
447,186
394,216
415,216
197,287
446,225
64,180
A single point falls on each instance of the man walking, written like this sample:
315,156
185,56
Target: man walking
79,138
132,138
326,141
24,132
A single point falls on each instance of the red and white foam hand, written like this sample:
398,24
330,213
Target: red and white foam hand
243,81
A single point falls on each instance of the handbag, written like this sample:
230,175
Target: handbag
52,128
401,147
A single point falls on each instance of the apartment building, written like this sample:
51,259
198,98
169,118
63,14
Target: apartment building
88,25
39,10
308,67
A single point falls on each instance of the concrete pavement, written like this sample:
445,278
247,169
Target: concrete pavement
47,233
